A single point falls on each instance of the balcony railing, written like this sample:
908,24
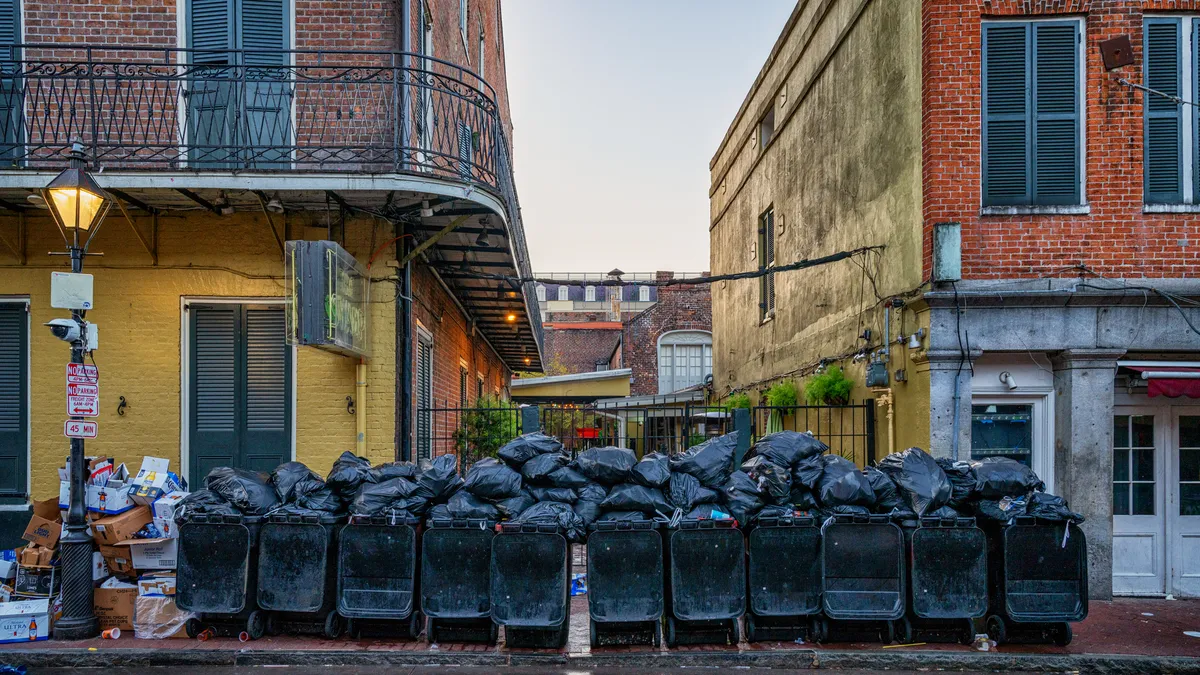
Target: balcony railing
154,109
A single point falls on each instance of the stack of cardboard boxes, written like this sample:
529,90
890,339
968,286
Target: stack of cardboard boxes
132,522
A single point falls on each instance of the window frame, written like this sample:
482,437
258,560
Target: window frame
589,294
1030,203
464,378
682,338
766,260
643,294
541,293
563,293
463,10
1188,68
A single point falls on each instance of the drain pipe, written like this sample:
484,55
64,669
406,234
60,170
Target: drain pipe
360,407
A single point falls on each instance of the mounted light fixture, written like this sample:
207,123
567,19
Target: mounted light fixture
1008,380
222,204
274,205
482,239
76,202
511,317
426,210
528,360
37,201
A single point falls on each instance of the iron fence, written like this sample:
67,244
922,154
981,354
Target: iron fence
469,433
848,430
669,430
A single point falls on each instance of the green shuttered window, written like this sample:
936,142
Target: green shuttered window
1171,148
11,98
1032,118
14,397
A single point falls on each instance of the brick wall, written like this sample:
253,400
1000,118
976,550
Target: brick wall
678,308
1116,238
579,349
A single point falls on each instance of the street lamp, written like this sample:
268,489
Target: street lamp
78,206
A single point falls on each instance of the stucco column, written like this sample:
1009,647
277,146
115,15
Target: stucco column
1083,424
946,402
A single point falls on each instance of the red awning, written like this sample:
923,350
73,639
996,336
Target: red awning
1161,383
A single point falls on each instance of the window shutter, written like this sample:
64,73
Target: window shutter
214,438
466,150
268,97
1164,127
14,388
1006,115
210,31
1056,113
11,101
1195,109
771,262
266,370
424,396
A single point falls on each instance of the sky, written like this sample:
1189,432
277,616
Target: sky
618,106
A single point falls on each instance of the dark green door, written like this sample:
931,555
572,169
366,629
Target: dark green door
14,396
240,389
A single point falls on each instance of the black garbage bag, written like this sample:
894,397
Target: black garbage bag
466,505
315,495
553,494
943,512
524,448
633,497
622,516
802,498
962,481
589,512
774,481
513,506
842,484
711,461
786,448
653,471
204,502
538,469
1000,510
1051,507
592,492
440,481
684,491
887,497
490,478
392,470
999,477
378,499
347,473
922,483
742,498
557,513
850,510
286,475
440,512
807,471
608,466
566,477
250,492
774,511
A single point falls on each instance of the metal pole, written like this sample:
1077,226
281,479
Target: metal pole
78,620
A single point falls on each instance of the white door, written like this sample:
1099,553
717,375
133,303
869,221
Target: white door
1184,502
1139,526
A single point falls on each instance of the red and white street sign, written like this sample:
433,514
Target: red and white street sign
83,406
79,429
79,373
82,389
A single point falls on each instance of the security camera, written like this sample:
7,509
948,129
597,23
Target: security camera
66,330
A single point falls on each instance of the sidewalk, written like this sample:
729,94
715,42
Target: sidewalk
1118,637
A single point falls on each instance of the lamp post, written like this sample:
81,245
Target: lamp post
78,206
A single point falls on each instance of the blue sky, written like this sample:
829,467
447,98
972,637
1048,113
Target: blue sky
618,106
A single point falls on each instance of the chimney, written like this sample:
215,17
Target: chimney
614,296
664,276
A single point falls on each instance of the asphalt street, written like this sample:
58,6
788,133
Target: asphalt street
440,670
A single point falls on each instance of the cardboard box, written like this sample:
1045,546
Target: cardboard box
37,581
158,618
153,481
167,528
24,621
157,584
46,508
114,606
152,554
99,568
164,506
35,556
117,559
43,532
111,530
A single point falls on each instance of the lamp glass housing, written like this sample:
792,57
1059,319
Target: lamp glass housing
77,204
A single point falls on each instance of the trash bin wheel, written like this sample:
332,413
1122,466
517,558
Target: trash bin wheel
656,634
333,625
1061,634
494,634
593,638
273,625
904,629
889,632
353,630
416,623
431,630
968,632
563,634
193,628
818,629
256,624
751,635
735,632
996,629
672,640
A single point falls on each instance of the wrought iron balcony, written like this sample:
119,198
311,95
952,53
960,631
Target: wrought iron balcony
142,109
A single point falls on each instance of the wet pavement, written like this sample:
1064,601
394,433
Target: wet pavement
432,670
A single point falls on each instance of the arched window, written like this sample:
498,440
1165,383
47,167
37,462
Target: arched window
541,293
684,359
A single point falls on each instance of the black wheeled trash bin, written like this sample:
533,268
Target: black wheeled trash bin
377,576
456,560
947,579
784,579
625,583
217,574
863,575
298,573
1039,572
531,585
706,582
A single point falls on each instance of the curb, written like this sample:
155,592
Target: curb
1109,664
